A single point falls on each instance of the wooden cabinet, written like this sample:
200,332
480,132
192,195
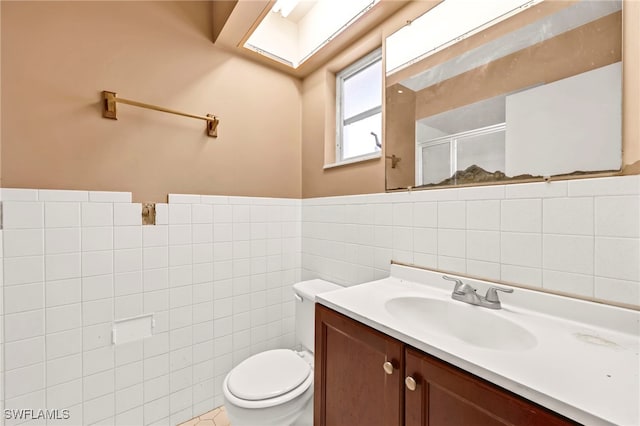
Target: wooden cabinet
445,395
352,387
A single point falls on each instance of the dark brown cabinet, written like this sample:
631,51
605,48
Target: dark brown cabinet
358,373
354,385
444,395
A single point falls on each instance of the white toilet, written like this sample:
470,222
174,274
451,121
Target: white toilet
276,387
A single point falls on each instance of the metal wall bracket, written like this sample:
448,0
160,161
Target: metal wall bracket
394,160
109,105
148,213
212,126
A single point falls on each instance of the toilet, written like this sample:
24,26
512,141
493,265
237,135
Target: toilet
275,387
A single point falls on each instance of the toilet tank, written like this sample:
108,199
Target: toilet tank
305,294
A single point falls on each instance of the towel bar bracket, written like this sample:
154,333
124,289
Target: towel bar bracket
109,105
212,126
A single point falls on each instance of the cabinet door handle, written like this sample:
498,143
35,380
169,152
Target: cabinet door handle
388,367
410,383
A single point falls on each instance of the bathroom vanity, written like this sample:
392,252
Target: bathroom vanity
400,351
352,389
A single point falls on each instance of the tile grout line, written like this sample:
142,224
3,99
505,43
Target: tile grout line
113,307
593,258
500,238
82,295
3,366
192,303
542,234
44,312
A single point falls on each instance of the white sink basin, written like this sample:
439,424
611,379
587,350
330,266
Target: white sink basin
472,324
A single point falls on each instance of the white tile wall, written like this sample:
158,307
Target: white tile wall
215,271
617,216
579,237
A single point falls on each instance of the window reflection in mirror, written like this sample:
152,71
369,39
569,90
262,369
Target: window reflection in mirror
537,92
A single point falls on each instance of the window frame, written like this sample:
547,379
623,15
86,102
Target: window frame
353,69
452,140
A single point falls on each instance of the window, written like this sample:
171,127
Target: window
359,109
440,158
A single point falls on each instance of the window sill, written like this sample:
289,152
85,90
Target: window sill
354,160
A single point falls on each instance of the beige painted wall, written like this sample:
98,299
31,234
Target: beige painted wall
58,56
400,127
221,10
318,131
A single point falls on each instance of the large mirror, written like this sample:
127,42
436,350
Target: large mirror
513,91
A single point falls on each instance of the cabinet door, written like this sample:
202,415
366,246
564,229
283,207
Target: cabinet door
352,387
447,396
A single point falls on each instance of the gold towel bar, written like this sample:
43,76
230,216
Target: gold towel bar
109,100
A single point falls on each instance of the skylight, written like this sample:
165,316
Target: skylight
294,30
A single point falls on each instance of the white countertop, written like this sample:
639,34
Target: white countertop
584,366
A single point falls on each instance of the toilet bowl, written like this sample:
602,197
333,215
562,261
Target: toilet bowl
275,387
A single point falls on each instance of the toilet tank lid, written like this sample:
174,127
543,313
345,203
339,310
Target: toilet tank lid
309,289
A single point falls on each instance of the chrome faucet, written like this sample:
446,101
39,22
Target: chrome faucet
466,293
463,291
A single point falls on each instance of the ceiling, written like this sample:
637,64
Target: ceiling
236,21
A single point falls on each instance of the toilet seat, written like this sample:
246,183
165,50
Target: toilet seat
268,379
268,375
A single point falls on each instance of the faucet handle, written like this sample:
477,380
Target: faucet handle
460,287
492,293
